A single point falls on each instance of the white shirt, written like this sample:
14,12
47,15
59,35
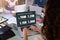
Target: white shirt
11,5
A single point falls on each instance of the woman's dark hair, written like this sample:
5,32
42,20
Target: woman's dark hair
51,23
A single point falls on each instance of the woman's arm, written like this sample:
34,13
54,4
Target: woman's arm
17,2
34,5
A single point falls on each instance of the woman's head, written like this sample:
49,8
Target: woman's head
52,20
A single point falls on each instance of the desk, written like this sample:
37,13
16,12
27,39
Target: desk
12,19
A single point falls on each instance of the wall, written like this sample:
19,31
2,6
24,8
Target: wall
29,2
21,2
1,3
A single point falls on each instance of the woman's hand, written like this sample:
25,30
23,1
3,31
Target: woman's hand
34,5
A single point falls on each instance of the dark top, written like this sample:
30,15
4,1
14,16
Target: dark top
40,4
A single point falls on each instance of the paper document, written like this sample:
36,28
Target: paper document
36,8
20,8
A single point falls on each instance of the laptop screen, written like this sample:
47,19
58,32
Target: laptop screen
25,18
2,19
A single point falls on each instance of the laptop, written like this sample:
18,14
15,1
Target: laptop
26,18
2,19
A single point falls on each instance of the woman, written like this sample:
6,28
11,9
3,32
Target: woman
9,5
51,24
40,3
